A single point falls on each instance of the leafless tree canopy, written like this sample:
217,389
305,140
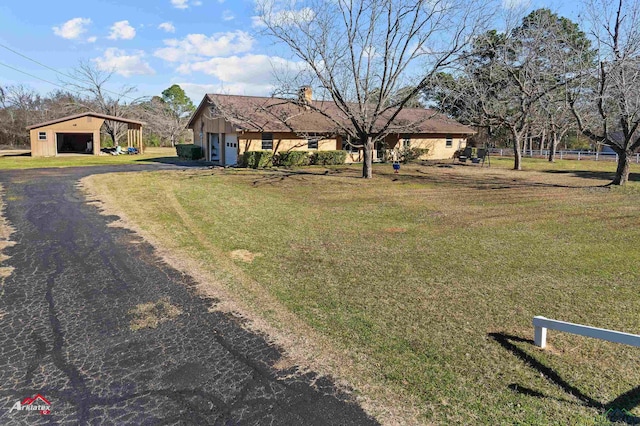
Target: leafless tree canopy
91,84
606,103
362,55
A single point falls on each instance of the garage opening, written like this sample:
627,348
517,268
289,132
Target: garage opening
74,143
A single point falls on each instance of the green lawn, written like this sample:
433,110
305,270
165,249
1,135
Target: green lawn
11,160
426,282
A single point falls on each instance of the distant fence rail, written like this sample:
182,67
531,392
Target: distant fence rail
541,324
563,154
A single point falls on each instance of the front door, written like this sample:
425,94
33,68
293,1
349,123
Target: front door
230,150
214,147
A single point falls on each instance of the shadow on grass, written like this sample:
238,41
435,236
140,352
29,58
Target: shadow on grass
417,175
616,410
175,161
590,174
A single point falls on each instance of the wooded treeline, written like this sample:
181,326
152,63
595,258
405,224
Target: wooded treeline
165,115
549,77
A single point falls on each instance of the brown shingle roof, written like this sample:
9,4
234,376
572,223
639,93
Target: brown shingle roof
262,114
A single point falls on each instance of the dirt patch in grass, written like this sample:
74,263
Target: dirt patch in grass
395,230
244,255
152,314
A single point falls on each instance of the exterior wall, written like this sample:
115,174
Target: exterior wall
48,148
283,142
436,144
203,125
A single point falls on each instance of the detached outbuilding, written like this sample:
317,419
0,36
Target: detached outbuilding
78,134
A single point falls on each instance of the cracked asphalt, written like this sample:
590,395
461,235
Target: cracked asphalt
64,328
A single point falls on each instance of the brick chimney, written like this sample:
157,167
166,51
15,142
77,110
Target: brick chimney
306,92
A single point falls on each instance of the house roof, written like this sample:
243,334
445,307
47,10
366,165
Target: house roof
85,114
262,114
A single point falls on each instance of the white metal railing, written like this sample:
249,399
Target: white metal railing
541,324
564,154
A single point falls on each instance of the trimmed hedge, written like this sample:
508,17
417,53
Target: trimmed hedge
256,159
189,151
292,159
328,158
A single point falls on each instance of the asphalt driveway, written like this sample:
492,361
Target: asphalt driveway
65,329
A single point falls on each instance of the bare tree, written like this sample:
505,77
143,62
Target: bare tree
92,83
508,75
363,54
606,103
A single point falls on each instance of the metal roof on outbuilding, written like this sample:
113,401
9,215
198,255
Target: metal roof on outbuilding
86,114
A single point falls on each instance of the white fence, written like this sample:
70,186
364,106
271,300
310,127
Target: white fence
541,324
563,155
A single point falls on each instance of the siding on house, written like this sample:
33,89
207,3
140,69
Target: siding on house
249,116
48,148
283,142
436,144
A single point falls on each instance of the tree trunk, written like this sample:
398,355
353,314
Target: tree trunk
622,171
517,151
553,145
367,164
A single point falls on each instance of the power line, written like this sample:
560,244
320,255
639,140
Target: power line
36,77
56,71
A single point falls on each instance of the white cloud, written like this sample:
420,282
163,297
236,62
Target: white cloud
197,91
92,39
194,47
284,17
515,4
122,30
73,28
120,62
227,15
180,4
168,27
257,70
185,4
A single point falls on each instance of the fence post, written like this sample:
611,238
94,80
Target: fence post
539,335
561,155
578,155
596,156
637,158
500,152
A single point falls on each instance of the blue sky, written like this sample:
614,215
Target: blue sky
203,45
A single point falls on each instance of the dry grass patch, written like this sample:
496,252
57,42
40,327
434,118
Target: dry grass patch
244,255
152,314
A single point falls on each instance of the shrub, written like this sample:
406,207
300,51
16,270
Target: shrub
189,151
328,158
410,154
292,159
256,159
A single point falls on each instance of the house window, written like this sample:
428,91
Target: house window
312,143
267,141
348,147
449,141
406,141
42,136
